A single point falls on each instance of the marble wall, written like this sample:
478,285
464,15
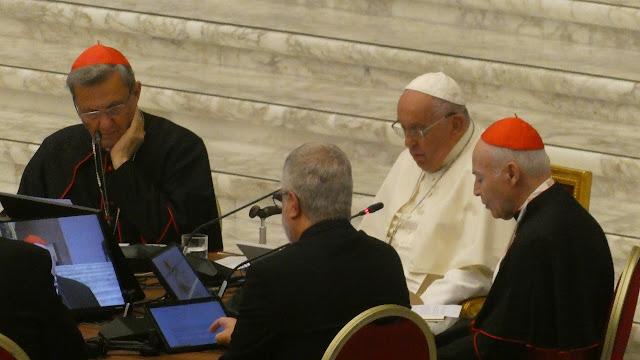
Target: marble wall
255,78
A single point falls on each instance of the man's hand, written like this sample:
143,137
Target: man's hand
228,324
129,143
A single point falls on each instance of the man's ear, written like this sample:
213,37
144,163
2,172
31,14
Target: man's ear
513,173
458,123
137,89
293,205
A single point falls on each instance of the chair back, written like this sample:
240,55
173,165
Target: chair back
9,350
383,332
623,310
575,181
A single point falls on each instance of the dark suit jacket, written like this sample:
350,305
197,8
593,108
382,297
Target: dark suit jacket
31,313
297,300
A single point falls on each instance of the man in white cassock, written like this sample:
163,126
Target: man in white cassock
448,243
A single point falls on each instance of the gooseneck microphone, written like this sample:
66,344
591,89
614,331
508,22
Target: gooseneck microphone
265,212
369,210
100,176
223,287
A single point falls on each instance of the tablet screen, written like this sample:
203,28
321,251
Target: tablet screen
177,275
186,326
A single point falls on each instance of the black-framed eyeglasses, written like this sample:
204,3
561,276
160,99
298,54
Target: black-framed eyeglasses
416,132
277,197
111,112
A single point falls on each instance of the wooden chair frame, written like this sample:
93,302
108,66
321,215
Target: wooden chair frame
368,316
618,303
12,348
579,180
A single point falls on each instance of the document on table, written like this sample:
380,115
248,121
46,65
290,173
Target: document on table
231,261
437,312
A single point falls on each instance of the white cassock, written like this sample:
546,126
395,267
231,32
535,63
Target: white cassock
447,240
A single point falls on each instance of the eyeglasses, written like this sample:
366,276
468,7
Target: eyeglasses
111,112
277,197
416,132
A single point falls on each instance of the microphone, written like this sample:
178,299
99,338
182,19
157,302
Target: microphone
100,176
223,287
213,221
369,210
265,212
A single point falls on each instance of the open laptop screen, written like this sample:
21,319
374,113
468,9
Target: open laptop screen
177,276
85,276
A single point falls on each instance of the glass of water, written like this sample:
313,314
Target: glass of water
195,244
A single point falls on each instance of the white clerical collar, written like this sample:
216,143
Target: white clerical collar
460,145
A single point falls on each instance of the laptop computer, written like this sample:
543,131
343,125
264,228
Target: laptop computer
184,326
22,207
89,270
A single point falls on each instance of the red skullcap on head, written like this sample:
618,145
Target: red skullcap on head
99,54
513,133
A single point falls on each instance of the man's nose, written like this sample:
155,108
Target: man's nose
409,140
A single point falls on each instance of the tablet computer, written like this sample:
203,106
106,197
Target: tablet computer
253,250
176,275
184,326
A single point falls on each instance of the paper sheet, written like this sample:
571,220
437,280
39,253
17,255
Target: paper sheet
231,261
437,312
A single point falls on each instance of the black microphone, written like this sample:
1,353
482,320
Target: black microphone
369,210
223,287
265,212
100,176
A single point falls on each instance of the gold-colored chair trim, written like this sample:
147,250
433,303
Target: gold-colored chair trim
368,316
618,303
580,180
14,349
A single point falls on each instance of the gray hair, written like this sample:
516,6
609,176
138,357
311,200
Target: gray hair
534,163
444,107
320,175
95,74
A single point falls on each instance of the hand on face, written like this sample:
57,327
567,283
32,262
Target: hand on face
227,324
129,142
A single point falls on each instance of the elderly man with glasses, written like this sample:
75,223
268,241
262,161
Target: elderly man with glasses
449,245
150,177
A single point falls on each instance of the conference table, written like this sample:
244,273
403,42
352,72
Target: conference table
153,290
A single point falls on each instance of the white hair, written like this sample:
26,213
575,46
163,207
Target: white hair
320,175
534,163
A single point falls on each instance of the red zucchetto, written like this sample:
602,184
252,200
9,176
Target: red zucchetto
99,54
513,133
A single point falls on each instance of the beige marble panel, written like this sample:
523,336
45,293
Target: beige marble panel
179,30
518,34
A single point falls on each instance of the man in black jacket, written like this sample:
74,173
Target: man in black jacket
554,285
149,176
31,313
296,300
